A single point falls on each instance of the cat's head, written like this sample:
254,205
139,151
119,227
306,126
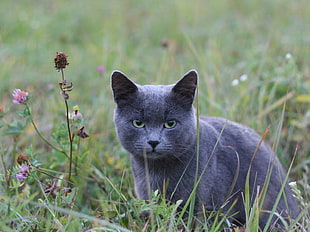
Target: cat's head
155,121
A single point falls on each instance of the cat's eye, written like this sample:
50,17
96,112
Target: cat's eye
138,123
170,124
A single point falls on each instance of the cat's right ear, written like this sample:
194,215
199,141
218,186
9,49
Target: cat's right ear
186,87
123,88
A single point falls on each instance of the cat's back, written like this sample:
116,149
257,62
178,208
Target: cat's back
227,138
235,144
223,124
229,132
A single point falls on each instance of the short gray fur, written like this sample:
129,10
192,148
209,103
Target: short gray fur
170,153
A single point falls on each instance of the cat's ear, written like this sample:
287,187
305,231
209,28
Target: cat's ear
123,88
186,87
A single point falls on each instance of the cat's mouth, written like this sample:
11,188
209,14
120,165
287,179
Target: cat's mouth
155,154
151,154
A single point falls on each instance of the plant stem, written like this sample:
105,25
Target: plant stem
7,182
71,137
70,140
52,176
76,157
62,74
41,136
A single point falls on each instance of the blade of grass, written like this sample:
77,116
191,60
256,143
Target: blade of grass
275,105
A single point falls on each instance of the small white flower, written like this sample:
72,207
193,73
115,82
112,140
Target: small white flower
70,116
243,77
292,184
235,82
288,56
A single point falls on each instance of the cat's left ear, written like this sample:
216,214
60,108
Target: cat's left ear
186,87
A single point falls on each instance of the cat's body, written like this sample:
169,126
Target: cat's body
158,126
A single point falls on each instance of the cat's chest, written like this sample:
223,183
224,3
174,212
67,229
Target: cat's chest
163,176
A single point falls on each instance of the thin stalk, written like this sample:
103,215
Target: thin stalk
148,188
52,176
41,136
7,182
76,157
70,140
62,74
5,172
71,137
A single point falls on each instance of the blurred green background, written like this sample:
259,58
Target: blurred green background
155,43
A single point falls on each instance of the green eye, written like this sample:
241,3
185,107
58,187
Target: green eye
170,124
138,123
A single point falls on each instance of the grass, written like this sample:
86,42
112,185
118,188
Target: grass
154,44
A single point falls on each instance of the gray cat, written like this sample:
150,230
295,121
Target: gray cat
157,125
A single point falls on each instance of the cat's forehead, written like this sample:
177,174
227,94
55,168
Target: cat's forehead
154,101
154,93
157,89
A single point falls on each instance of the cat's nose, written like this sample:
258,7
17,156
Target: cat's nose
153,143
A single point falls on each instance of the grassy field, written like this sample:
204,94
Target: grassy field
254,64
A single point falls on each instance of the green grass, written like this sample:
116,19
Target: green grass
154,43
